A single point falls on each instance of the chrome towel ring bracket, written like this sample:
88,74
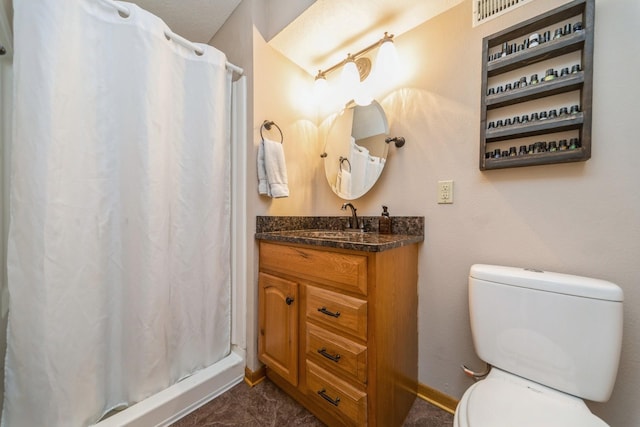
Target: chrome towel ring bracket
399,140
267,125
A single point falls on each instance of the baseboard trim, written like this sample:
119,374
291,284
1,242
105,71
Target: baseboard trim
426,393
437,398
253,378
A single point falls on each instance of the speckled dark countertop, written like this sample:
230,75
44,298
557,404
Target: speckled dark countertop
313,231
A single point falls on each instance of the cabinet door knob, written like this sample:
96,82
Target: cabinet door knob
289,300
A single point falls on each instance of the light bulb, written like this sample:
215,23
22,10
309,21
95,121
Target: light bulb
385,69
349,79
320,87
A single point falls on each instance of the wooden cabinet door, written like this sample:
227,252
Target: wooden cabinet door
278,323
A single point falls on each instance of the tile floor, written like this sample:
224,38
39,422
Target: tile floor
266,405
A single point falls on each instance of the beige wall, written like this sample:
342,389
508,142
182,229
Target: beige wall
279,87
277,91
581,218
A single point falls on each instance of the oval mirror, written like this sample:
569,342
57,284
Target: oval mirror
355,150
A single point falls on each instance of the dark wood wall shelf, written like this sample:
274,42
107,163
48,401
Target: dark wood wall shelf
539,127
551,49
579,82
515,96
537,159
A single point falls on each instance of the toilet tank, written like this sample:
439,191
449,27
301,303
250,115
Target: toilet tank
558,330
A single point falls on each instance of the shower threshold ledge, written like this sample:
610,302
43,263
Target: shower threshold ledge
178,400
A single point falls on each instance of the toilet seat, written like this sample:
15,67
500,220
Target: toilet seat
505,400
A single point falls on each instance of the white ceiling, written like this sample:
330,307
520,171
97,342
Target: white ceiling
329,29
195,20
318,38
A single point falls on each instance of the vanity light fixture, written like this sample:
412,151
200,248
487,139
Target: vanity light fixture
356,69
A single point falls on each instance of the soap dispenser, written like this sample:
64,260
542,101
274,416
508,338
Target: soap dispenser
384,223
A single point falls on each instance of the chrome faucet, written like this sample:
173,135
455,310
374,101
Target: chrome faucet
353,223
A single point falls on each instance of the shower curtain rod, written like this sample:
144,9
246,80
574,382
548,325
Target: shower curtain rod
170,35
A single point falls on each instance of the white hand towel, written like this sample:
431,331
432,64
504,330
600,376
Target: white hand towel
345,184
276,169
359,158
263,184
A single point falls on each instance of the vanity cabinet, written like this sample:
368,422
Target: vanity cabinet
504,59
356,334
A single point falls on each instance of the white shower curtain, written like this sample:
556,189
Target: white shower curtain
119,251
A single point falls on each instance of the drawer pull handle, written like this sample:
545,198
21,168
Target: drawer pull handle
324,310
323,394
289,300
323,351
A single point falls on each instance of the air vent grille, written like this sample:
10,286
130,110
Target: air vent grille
485,10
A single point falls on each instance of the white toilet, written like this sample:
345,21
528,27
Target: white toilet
552,340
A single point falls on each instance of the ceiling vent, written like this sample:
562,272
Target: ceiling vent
486,10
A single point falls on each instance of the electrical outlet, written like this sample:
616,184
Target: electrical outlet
445,192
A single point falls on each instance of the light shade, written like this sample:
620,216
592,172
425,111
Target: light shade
386,66
320,88
349,79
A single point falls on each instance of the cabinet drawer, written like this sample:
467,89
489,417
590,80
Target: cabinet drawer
336,353
345,271
336,396
342,312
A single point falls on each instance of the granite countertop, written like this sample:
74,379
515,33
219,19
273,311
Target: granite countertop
330,232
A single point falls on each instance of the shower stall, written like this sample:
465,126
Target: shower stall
123,216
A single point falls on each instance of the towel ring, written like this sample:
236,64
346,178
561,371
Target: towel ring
344,159
267,125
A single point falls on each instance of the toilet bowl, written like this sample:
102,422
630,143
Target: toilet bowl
505,400
552,340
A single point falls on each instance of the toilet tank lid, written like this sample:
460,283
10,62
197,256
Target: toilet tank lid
547,281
